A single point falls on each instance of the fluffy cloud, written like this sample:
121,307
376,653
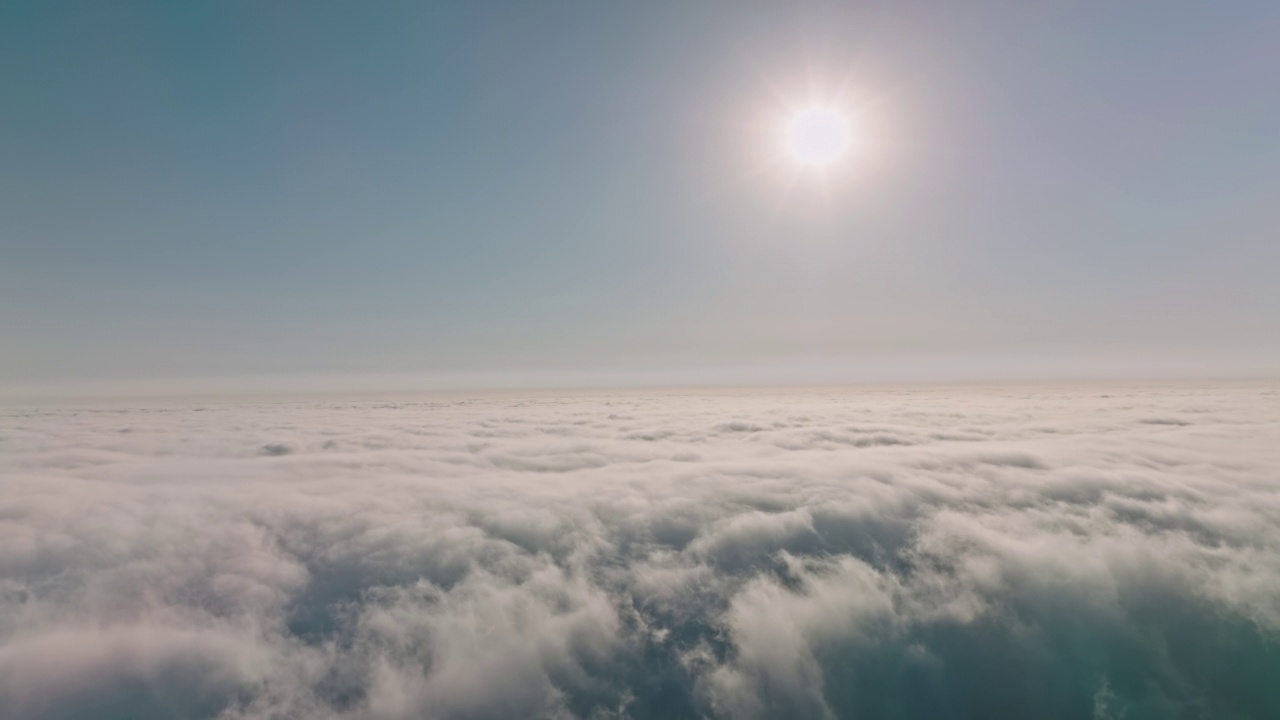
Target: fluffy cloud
1049,553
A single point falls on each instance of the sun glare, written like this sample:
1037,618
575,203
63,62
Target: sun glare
818,136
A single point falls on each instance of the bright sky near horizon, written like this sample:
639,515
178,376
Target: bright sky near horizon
602,190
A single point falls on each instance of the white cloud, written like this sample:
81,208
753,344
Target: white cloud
887,553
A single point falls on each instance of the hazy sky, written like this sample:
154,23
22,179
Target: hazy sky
280,189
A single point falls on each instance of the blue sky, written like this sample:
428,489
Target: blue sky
196,190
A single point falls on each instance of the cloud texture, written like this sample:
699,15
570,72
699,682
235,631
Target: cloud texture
897,554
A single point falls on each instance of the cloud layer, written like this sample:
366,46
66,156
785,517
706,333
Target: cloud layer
897,554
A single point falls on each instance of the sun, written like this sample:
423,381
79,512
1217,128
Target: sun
818,136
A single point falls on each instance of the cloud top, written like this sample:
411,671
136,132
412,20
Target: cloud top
893,553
